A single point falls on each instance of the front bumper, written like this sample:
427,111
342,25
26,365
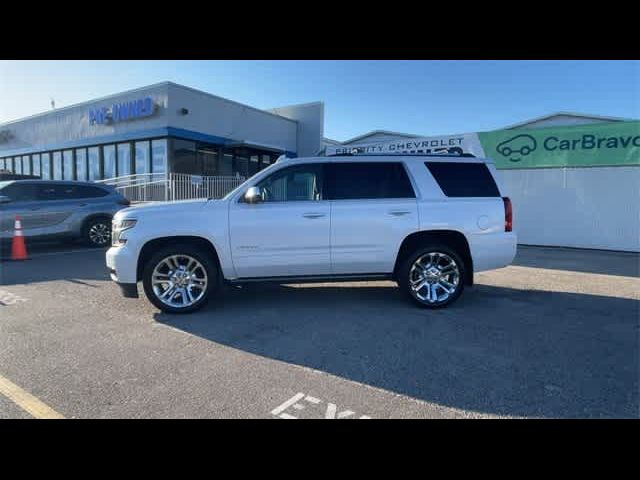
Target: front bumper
128,290
122,263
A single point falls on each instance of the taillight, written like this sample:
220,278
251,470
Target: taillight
508,214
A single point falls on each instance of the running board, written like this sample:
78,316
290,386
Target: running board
314,278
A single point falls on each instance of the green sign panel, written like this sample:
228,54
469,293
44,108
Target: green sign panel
615,143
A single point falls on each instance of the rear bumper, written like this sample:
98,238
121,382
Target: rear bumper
491,251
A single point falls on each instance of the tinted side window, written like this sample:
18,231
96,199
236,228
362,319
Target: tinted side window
69,192
83,191
359,180
50,192
464,179
19,192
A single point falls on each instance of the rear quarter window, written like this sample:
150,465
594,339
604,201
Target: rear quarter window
458,179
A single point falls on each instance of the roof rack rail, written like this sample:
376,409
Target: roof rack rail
352,154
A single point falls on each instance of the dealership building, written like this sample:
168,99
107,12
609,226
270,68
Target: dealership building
574,179
158,129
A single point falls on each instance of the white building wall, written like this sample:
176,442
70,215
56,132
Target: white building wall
218,116
310,120
378,138
597,207
72,123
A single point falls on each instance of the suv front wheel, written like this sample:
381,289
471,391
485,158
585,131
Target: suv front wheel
180,279
433,276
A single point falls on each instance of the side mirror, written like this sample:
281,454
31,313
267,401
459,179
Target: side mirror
4,199
252,195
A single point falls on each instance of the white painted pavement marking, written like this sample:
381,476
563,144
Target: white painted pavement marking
8,298
330,413
287,404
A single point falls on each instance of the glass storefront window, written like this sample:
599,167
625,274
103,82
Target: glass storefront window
17,165
26,165
184,157
254,164
159,156
81,164
226,165
1,163
9,164
142,157
46,166
67,165
57,165
109,155
93,157
35,161
124,159
207,158
241,166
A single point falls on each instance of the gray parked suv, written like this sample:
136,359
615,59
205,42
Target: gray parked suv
59,210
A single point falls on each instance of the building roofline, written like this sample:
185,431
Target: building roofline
134,90
308,104
387,132
86,102
234,102
569,114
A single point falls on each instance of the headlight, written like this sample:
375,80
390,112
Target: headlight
117,228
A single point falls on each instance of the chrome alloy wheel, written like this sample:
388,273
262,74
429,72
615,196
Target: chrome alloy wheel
100,234
179,281
434,277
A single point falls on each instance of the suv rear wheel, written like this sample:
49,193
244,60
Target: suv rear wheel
180,279
432,276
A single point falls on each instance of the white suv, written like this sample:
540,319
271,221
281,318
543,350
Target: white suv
427,222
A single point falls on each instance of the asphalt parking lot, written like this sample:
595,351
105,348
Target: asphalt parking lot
555,335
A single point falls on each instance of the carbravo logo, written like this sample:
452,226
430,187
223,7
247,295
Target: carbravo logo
517,147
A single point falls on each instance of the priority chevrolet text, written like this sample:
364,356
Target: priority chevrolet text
426,222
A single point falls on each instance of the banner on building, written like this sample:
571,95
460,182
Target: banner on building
454,144
607,144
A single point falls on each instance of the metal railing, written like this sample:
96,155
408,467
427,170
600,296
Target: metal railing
162,187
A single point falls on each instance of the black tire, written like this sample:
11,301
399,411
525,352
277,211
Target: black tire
404,275
96,232
209,267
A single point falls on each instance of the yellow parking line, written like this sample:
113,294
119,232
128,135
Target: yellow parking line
26,401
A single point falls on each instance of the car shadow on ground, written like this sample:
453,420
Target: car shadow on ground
71,262
497,350
625,264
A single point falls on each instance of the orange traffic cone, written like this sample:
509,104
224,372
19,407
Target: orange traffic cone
18,247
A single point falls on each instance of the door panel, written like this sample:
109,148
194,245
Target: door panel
366,234
23,204
373,208
287,233
280,239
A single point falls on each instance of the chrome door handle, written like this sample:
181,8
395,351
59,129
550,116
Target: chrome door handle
399,213
313,215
